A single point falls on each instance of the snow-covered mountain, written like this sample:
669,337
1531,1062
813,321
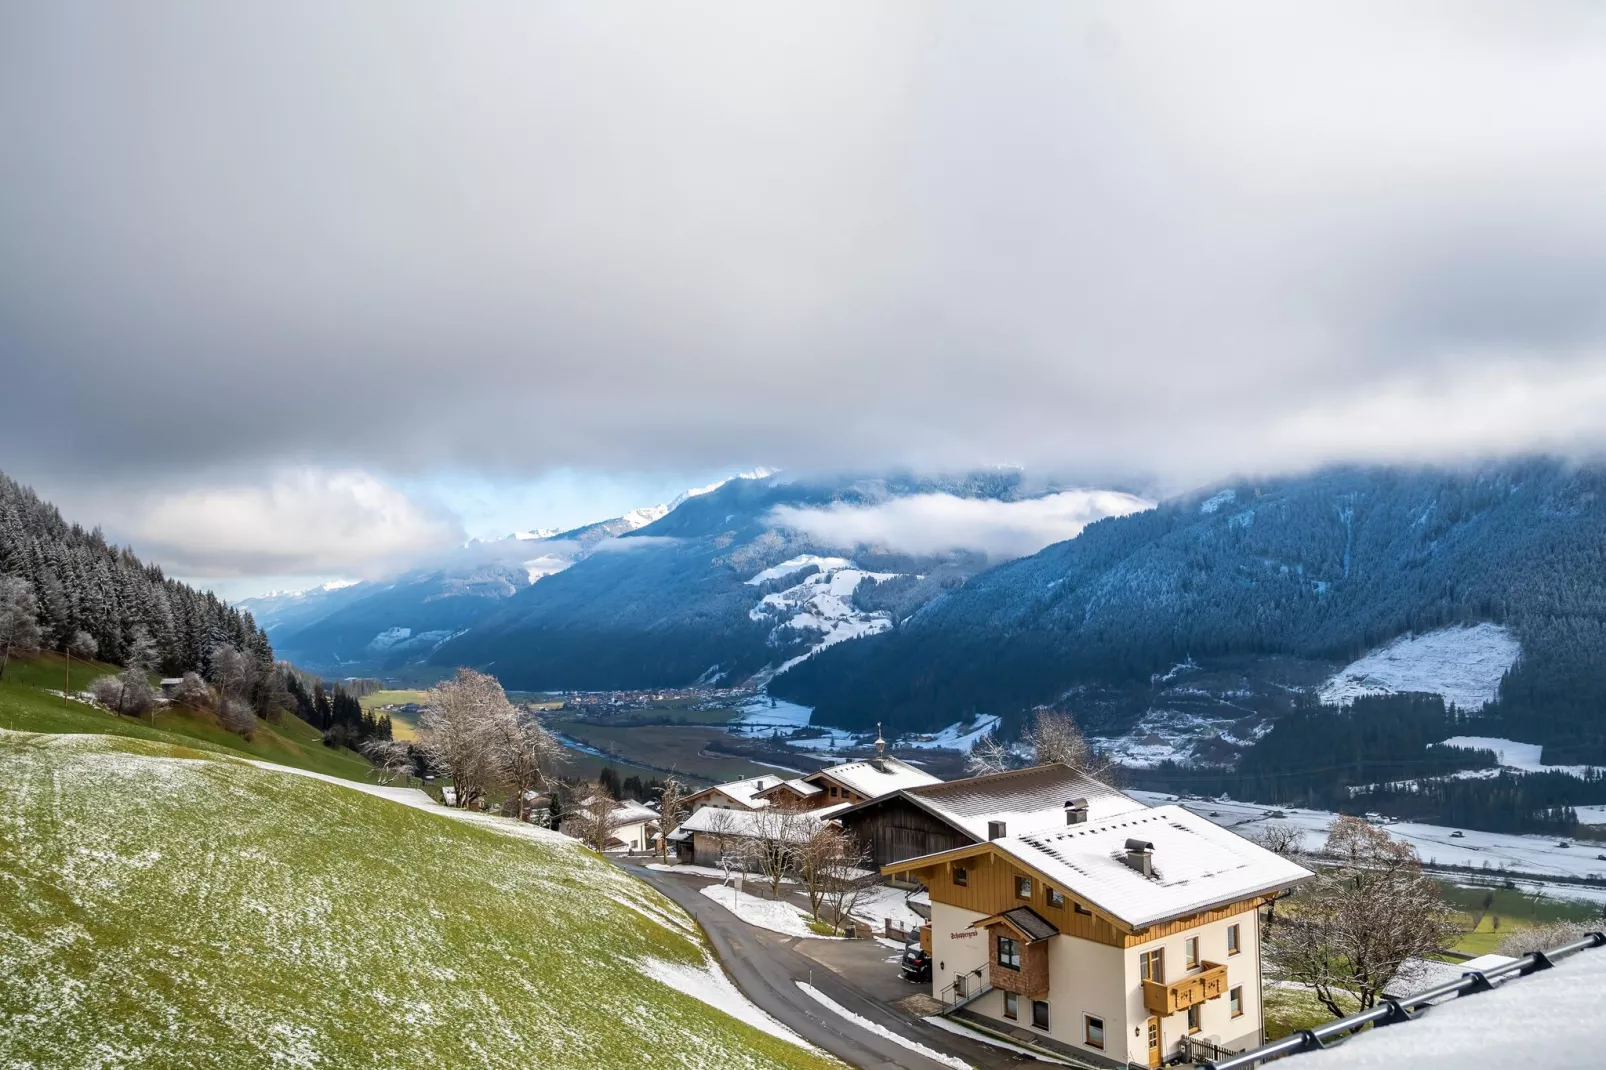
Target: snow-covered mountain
1205,619
375,627
749,579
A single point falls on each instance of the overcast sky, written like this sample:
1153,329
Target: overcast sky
376,276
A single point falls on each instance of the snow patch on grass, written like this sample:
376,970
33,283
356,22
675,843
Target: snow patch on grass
776,915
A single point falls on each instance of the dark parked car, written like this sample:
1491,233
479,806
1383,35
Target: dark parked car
916,963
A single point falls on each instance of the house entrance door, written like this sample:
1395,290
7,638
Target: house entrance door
1154,1042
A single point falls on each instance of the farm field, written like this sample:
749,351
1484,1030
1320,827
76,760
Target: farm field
321,926
403,724
664,747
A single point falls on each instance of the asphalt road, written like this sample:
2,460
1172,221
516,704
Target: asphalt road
766,967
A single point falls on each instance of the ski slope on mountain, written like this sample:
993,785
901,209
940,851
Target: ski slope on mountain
163,907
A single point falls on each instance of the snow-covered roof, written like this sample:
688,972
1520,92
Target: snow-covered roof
1026,800
875,777
624,812
798,786
630,812
1549,1018
751,823
743,791
1196,864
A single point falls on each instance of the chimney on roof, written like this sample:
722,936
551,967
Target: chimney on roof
996,830
1140,856
880,744
760,785
1076,812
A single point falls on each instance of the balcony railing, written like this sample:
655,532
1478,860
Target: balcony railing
1179,995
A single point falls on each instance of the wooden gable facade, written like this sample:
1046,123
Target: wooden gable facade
895,829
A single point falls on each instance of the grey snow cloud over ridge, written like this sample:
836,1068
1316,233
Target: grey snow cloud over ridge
1129,240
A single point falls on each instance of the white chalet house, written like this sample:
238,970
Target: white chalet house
735,795
1109,933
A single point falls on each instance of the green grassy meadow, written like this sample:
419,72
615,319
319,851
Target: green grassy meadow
26,706
164,905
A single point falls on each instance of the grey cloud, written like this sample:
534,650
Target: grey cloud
1119,237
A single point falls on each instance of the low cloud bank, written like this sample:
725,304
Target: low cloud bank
305,521
937,523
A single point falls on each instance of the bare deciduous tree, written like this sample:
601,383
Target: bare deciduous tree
237,716
849,874
525,752
1280,837
594,820
1544,937
193,692
1369,912
987,756
774,837
392,758
231,671
671,811
130,692
19,620
1055,739
82,646
454,731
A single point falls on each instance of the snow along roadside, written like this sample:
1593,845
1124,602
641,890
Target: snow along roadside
880,1030
982,1038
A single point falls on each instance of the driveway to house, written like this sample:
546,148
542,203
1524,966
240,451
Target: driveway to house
766,966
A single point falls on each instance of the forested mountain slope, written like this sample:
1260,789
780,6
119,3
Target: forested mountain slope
1313,569
680,600
83,583
380,627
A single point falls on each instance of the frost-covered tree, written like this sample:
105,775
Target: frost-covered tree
193,692
525,753
671,810
987,756
1370,912
456,731
19,620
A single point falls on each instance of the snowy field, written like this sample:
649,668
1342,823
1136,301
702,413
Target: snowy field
960,736
762,716
1538,856
1463,663
1522,757
776,915
821,604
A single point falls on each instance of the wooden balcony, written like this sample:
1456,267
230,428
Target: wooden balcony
1179,995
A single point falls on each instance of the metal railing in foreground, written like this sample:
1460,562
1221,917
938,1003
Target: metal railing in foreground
1390,1011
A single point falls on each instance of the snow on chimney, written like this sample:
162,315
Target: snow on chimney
1076,811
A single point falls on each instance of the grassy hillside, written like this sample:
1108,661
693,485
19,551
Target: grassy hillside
26,706
160,906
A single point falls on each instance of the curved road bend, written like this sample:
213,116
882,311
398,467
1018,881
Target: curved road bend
766,968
